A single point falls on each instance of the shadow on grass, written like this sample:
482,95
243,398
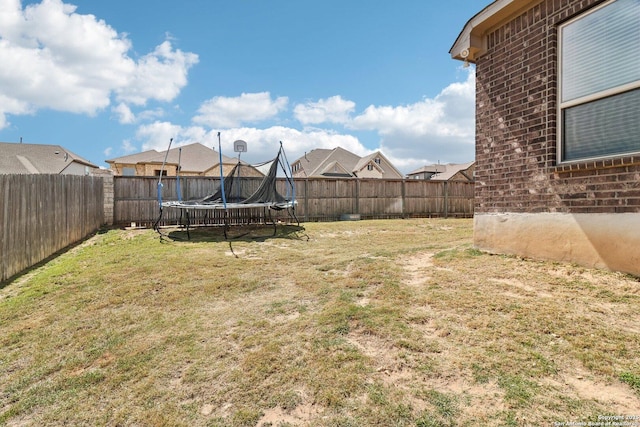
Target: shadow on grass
26,271
237,233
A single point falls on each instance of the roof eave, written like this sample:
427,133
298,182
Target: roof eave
85,163
470,44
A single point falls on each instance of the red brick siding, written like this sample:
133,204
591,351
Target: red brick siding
516,101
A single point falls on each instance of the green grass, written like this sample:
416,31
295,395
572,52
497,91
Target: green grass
633,380
368,323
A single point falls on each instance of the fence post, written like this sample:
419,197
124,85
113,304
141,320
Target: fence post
446,199
306,199
404,196
357,196
107,181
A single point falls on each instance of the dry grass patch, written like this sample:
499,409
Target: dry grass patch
370,323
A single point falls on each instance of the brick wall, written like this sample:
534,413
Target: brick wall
516,102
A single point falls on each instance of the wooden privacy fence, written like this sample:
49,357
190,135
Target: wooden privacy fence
42,214
319,199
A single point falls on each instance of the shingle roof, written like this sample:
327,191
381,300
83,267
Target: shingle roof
428,168
317,161
22,158
450,170
364,161
388,171
144,157
323,162
193,157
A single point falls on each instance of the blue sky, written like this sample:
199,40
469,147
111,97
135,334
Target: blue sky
110,78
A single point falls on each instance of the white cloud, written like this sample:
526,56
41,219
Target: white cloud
10,105
432,130
448,114
442,128
124,113
159,75
55,58
412,119
126,116
262,144
147,115
156,136
333,110
127,147
228,112
59,59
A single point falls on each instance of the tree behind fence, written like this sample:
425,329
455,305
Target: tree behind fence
319,199
42,214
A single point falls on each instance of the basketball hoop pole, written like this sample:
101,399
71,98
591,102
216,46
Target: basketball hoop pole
239,146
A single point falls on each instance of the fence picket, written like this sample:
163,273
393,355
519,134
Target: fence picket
42,214
319,199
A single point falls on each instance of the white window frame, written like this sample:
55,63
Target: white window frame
563,105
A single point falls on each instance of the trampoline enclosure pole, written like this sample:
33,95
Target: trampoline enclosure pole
178,175
224,197
164,162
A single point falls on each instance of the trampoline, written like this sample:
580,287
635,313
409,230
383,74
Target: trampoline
238,191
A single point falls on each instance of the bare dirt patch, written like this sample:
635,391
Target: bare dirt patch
300,415
417,268
613,395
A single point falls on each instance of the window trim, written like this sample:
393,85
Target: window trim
561,106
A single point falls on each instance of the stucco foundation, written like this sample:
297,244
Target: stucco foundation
609,241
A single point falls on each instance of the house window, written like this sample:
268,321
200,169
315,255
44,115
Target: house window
369,167
377,160
157,172
600,82
128,171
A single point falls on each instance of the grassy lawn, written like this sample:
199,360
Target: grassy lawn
364,323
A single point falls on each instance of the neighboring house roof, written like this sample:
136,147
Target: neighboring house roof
364,162
323,162
443,172
383,165
193,158
333,168
132,159
469,45
451,170
427,168
341,162
21,158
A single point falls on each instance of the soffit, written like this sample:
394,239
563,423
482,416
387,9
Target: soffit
471,44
